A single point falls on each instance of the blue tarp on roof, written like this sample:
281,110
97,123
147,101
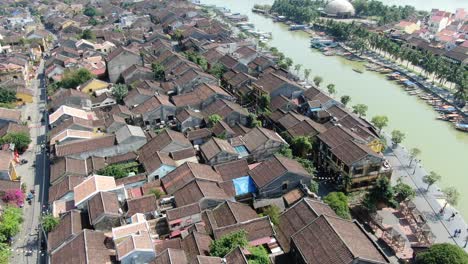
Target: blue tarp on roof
244,185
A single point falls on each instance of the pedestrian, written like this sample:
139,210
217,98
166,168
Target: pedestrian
455,234
451,217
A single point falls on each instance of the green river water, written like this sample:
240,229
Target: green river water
444,149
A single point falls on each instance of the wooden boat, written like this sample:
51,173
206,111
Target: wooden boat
357,70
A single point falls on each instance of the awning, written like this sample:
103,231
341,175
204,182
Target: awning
174,222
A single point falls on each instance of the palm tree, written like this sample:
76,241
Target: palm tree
318,80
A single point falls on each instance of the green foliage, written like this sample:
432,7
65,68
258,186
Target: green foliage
7,96
119,170
403,192
217,70
258,255
197,58
414,152
380,122
20,139
252,121
49,222
74,78
331,88
88,34
119,91
301,146
318,80
177,35
5,253
90,11
92,21
431,178
307,73
442,254
264,102
301,11
381,193
451,196
360,109
158,70
385,14
286,152
220,247
345,99
10,222
273,212
214,119
398,136
307,164
156,192
338,201
314,186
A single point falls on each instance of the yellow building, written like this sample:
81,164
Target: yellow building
408,27
376,145
92,86
24,95
7,166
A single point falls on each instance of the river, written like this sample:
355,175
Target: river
444,149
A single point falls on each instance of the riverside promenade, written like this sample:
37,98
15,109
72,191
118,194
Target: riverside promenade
428,202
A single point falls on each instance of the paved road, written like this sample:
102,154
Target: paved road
26,246
428,202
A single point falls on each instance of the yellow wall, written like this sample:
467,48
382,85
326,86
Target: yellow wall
13,173
93,86
411,28
376,145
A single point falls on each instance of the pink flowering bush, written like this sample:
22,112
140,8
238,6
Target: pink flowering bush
14,197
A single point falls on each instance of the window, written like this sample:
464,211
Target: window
284,186
358,171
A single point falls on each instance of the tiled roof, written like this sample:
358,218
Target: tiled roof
214,146
135,242
232,170
171,256
256,229
275,167
196,244
68,166
236,256
229,213
103,203
91,186
198,190
10,115
80,146
6,185
161,141
152,104
144,204
69,226
13,128
259,136
64,186
183,211
186,173
199,134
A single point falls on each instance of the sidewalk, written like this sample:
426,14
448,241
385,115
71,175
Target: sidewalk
430,202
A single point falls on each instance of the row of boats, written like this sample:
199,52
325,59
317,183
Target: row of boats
447,112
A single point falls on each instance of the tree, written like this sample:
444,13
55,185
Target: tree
398,136
5,253
331,89
220,247
380,122
92,21
116,170
258,255
90,11
49,222
307,73
72,79
21,140
177,35
252,121
273,212
264,102
345,99
15,197
403,192
442,254
301,146
156,192
214,119
217,70
431,178
414,152
10,222
286,152
360,109
314,186
451,197
119,91
297,68
158,71
307,164
7,96
338,201
318,80
381,194
88,34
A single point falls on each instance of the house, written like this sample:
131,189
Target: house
202,96
112,123
347,242
158,165
237,172
137,72
155,110
138,96
344,154
230,112
137,224
65,112
76,124
196,244
259,64
297,217
81,149
24,95
232,63
64,167
131,135
63,188
199,136
70,225
278,175
181,217
105,99
206,193
92,86
146,205
223,130
7,166
189,119
171,256
136,248
186,173
307,128
87,247
166,141
103,211
245,54
438,22
192,78
239,83
273,84
259,231
9,115
407,26
90,187
217,151
260,143
69,97
13,128
119,60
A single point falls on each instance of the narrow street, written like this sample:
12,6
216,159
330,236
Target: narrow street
26,246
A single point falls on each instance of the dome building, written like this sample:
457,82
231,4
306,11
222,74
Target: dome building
339,8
